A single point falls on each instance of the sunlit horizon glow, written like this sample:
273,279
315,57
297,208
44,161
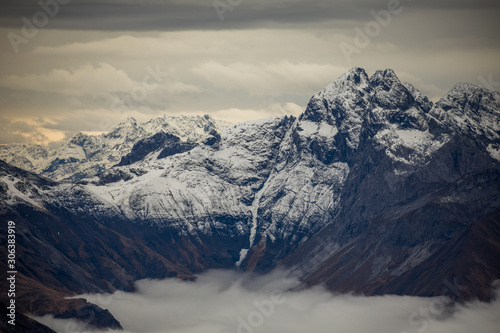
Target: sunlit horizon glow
262,59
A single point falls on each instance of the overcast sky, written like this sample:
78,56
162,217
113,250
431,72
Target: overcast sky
86,61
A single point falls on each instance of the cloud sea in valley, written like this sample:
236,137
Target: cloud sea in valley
221,301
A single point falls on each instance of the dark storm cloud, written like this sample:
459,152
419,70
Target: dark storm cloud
266,56
169,15
197,14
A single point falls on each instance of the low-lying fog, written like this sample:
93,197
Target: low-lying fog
227,301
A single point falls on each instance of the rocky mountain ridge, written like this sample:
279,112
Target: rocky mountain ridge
373,189
86,155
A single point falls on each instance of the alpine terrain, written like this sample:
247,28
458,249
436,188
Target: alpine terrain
374,190
86,155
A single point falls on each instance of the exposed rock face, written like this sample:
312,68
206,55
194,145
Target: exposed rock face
24,324
420,178
169,144
85,155
373,189
61,254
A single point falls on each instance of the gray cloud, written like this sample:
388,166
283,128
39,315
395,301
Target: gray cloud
177,15
200,14
19,132
264,53
227,301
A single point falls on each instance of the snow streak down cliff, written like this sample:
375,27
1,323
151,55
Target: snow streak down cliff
365,187
420,206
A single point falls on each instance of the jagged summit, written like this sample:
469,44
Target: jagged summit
469,88
357,79
467,107
384,75
355,104
354,90
470,95
129,121
86,155
373,189
356,76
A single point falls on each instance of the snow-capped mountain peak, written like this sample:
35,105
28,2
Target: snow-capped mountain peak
363,192
86,155
130,121
468,107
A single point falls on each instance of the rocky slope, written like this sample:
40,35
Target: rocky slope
60,254
373,189
87,155
421,177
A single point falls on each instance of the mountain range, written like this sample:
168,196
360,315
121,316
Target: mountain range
86,155
374,189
